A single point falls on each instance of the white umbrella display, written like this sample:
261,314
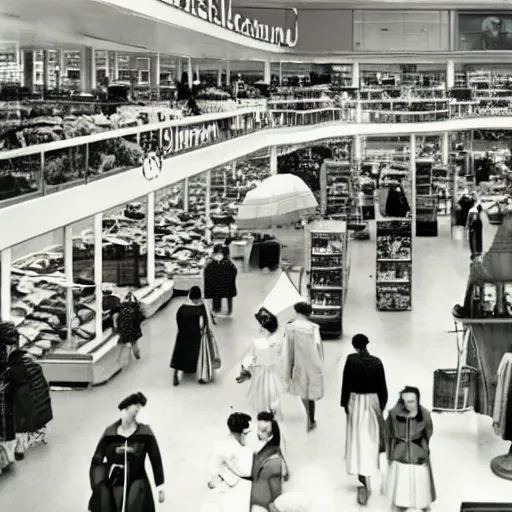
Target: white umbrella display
279,200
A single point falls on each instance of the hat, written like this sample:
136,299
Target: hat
133,399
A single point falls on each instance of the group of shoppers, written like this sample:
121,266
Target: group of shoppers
25,403
404,436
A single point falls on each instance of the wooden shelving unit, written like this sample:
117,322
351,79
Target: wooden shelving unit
335,189
327,270
394,265
426,198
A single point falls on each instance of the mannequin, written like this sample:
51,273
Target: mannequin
502,416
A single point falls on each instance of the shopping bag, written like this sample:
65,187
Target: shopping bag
214,350
204,362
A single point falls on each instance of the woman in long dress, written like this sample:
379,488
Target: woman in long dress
262,366
230,482
118,477
303,359
409,430
192,318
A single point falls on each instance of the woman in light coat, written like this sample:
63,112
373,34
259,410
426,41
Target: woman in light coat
303,360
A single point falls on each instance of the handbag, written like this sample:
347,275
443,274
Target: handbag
204,361
214,350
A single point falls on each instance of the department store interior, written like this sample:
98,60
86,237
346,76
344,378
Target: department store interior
131,146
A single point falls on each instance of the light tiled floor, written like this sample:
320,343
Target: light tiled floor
189,418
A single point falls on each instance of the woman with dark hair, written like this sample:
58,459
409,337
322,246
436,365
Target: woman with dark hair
230,481
262,366
409,430
192,319
364,396
303,359
269,467
118,477
129,322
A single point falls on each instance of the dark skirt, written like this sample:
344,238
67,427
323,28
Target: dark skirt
186,352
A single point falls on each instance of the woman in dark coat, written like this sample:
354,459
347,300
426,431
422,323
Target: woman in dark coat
220,279
118,477
396,203
192,318
129,323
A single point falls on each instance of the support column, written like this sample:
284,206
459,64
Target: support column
154,70
359,111
107,63
150,227
233,170
185,194
358,148
45,73
198,75
219,76
445,148
280,74
450,75
98,273
228,73
5,284
355,75
412,164
273,160
190,73
28,69
115,74
68,276
179,69
207,204
267,72
87,69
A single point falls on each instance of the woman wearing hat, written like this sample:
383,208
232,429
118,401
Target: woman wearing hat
118,477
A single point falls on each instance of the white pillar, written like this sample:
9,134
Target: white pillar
98,273
190,73
450,75
280,74
445,147
359,111
115,76
198,75
267,73
157,73
358,149
233,169
273,160
107,63
207,203
179,69
150,228
185,194
68,276
228,73
5,284
355,75
93,69
219,76
412,163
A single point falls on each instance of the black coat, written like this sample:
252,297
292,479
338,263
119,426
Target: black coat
32,400
397,204
107,484
129,321
220,279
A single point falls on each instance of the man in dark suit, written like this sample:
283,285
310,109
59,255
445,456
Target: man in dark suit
364,396
268,463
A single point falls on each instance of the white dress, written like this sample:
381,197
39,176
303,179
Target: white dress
231,461
264,361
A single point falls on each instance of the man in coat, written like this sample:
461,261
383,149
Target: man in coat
364,396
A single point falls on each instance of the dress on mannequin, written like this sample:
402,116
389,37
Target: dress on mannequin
502,415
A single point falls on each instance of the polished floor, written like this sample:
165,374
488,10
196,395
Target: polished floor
188,419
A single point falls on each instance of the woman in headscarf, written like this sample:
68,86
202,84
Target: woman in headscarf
409,430
118,477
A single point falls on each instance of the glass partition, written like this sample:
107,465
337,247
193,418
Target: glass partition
39,308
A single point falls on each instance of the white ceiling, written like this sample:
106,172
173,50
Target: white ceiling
57,23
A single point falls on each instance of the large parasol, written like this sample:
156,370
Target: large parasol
277,201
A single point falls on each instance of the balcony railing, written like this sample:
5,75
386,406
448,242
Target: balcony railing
42,169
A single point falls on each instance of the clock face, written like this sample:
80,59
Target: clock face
152,166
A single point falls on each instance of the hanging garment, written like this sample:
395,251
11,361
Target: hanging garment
502,413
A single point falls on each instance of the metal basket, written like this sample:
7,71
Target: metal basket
454,393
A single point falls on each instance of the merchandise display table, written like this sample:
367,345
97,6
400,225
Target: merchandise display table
183,283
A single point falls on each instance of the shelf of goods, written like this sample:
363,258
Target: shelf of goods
335,189
426,200
394,265
327,270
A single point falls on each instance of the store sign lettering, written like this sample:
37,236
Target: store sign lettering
176,140
219,12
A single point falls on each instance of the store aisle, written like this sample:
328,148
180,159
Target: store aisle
188,419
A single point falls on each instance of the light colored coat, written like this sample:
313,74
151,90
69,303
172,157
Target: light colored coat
303,359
